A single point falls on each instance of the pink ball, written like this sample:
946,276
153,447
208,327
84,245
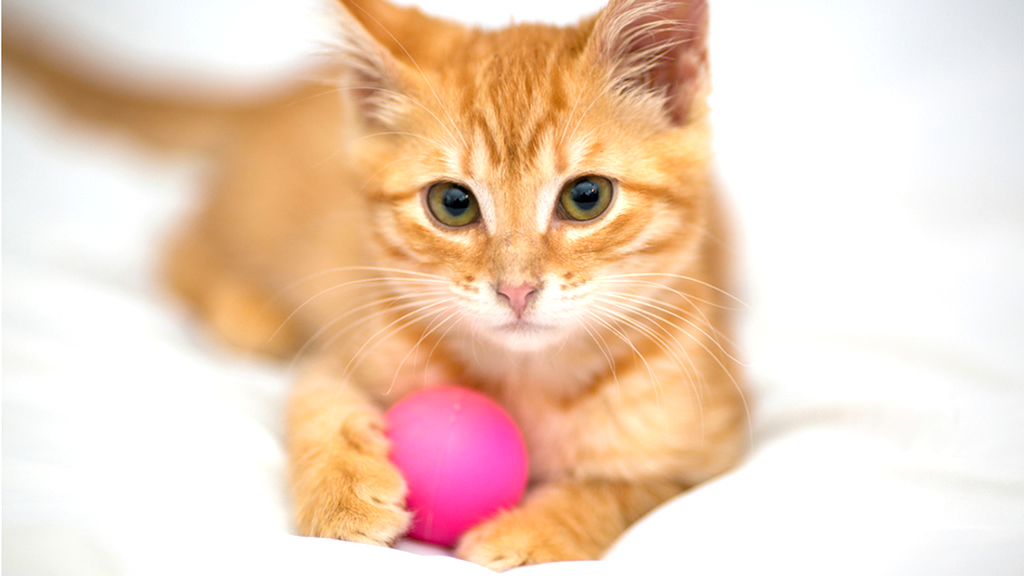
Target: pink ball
462,456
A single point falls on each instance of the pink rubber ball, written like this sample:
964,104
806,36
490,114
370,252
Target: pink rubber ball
462,456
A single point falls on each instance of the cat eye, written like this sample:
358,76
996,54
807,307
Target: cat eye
452,204
585,198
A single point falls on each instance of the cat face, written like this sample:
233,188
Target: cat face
522,177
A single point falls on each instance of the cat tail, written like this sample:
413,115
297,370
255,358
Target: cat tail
164,122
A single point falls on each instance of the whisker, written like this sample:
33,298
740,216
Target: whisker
365,319
658,306
358,357
565,128
430,329
338,269
664,306
582,116
426,364
689,297
378,302
369,281
326,92
476,342
728,373
667,349
650,371
691,373
606,351
678,277
361,269
417,299
370,178
418,315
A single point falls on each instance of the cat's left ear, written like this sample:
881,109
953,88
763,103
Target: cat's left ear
656,47
376,79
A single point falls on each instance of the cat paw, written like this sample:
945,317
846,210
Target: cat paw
516,539
359,498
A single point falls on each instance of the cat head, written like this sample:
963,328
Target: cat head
515,173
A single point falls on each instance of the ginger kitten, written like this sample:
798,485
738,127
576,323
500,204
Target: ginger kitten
528,212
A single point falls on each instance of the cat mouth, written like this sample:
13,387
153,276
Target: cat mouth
525,335
525,327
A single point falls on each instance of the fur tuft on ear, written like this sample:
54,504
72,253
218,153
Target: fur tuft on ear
373,77
657,47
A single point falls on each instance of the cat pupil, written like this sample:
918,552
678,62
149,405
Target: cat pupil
456,200
586,194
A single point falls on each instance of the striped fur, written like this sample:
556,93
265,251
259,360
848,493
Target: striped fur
317,242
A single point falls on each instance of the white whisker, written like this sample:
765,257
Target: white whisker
338,269
660,307
353,283
389,308
430,329
667,349
725,370
689,297
677,277
418,315
606,351
650,371
426,364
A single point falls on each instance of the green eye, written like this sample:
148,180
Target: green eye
452,204
585,198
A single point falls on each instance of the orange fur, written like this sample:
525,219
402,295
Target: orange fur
315,239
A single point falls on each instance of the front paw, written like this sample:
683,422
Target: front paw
354,496
517,537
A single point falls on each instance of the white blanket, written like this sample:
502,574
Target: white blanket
873,152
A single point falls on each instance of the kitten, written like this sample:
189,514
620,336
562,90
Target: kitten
528,212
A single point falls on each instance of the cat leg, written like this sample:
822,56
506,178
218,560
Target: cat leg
565,520
343,485
239,312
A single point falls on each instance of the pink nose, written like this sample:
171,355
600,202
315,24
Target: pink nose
518,296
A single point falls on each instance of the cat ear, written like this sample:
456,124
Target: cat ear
656,47
374,77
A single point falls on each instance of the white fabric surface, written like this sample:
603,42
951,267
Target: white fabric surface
874,153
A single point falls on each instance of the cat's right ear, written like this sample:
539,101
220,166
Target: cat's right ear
374,78
655,49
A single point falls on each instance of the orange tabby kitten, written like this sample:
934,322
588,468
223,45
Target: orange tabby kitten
528,212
